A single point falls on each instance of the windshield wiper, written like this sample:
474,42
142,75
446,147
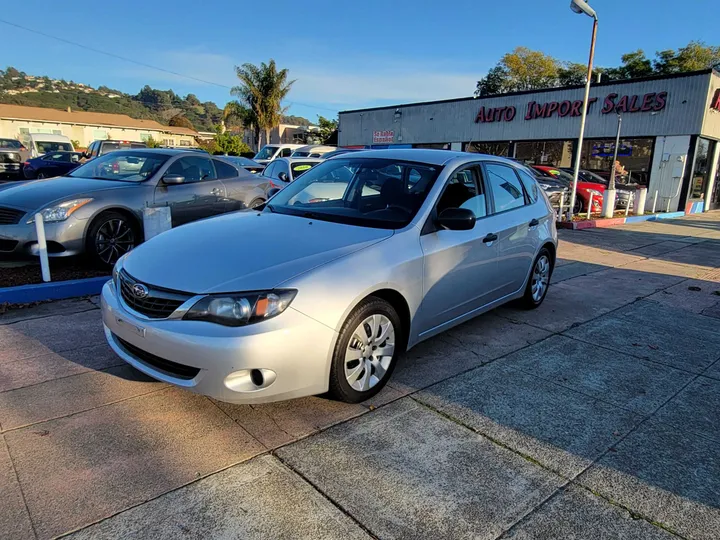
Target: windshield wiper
310,215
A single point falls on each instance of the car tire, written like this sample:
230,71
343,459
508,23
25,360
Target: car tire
256,203
579,205
40,175
100,248
356,364
539,280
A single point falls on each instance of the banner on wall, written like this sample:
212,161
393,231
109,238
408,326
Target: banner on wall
383,137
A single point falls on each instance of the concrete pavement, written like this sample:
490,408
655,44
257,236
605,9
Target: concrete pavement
594,416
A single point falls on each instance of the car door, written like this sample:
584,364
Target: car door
516,221
242,187
200,195
460,267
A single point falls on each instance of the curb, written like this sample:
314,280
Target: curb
24,294
613,222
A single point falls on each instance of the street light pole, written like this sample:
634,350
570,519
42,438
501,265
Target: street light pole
580,6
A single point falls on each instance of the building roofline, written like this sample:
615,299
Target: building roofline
538,91
99,124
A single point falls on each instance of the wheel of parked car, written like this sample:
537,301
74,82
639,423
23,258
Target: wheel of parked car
256,203
40,175
366,351
579,206
110,236
539,281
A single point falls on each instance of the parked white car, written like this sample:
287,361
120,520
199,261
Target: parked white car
43,143
272,151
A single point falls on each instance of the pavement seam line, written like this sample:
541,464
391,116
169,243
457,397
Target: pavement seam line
325,495
94,308
88,370
267,448
20,487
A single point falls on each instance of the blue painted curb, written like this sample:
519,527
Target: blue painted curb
669,215
52,291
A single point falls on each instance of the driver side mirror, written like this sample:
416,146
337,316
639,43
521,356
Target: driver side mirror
173,179
456,219
272,191
283,176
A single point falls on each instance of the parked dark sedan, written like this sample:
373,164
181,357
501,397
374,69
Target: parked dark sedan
97,209
52,164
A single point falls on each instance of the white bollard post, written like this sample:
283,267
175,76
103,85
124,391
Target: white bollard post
590,206
668,206
640,203
630,200
655,201
562,204
608,208
42,247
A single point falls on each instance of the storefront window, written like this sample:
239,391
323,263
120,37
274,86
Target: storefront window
633,157
490,148
552,153
433,146
701,170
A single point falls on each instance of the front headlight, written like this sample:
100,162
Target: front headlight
60,212
116,270
595,192
241,308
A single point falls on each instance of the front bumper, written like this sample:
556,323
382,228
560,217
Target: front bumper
291,349
13,169
64,238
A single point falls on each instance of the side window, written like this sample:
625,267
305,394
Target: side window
464,190
299,168
194,169
61,157
531,185
507,191
225,170
285,152
270,169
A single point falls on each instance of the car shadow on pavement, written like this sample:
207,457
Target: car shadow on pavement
612,386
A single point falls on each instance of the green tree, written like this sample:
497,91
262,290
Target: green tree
226,143
262,89
694,56
571,74
521,69
180,121
327,128
152,143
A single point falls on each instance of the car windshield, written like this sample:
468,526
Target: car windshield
588,176
107,147
10,143
45,147
266,152
300,154
124,166
371,192
239,160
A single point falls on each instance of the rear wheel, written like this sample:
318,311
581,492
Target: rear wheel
366,351
256,203
539,281
579,205
41,175
111,235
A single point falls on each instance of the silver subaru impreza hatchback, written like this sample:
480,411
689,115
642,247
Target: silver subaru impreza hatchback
322,288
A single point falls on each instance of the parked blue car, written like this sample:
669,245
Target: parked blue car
52,164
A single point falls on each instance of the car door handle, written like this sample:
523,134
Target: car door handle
216,191
534,223
490,238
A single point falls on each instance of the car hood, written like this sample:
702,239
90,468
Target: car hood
39,193
244,251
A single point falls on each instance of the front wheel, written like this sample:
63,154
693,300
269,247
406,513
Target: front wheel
366,351
539,281
40,175
111,235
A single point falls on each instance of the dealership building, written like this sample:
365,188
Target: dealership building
670,131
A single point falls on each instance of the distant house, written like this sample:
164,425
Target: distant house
86,127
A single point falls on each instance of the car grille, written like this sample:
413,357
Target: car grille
167,366
7,245
10,216
158,304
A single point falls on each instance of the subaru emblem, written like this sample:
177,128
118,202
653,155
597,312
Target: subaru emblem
140,291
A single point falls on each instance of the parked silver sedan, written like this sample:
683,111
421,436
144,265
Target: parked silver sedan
311,295
97,209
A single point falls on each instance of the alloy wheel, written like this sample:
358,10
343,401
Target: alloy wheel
369,352
113,239
40,176
540,278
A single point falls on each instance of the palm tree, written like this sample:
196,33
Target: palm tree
261,91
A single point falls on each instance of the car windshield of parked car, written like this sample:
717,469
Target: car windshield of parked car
10,143
239,160
588,176
125,166
371,192
267,152
45,147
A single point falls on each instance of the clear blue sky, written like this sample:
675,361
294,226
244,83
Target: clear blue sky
343,55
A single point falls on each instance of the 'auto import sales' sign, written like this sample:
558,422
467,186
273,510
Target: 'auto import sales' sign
383,137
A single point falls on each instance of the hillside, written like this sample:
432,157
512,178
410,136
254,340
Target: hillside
19,88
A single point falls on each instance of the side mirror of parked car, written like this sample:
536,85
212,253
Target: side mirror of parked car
272,191
173,179
456,219
284,177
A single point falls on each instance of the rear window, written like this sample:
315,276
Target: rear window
10,143
301,167
45,147
106,147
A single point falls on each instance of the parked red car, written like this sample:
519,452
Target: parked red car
584,189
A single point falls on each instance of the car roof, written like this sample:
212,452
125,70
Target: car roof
422,155
165,151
